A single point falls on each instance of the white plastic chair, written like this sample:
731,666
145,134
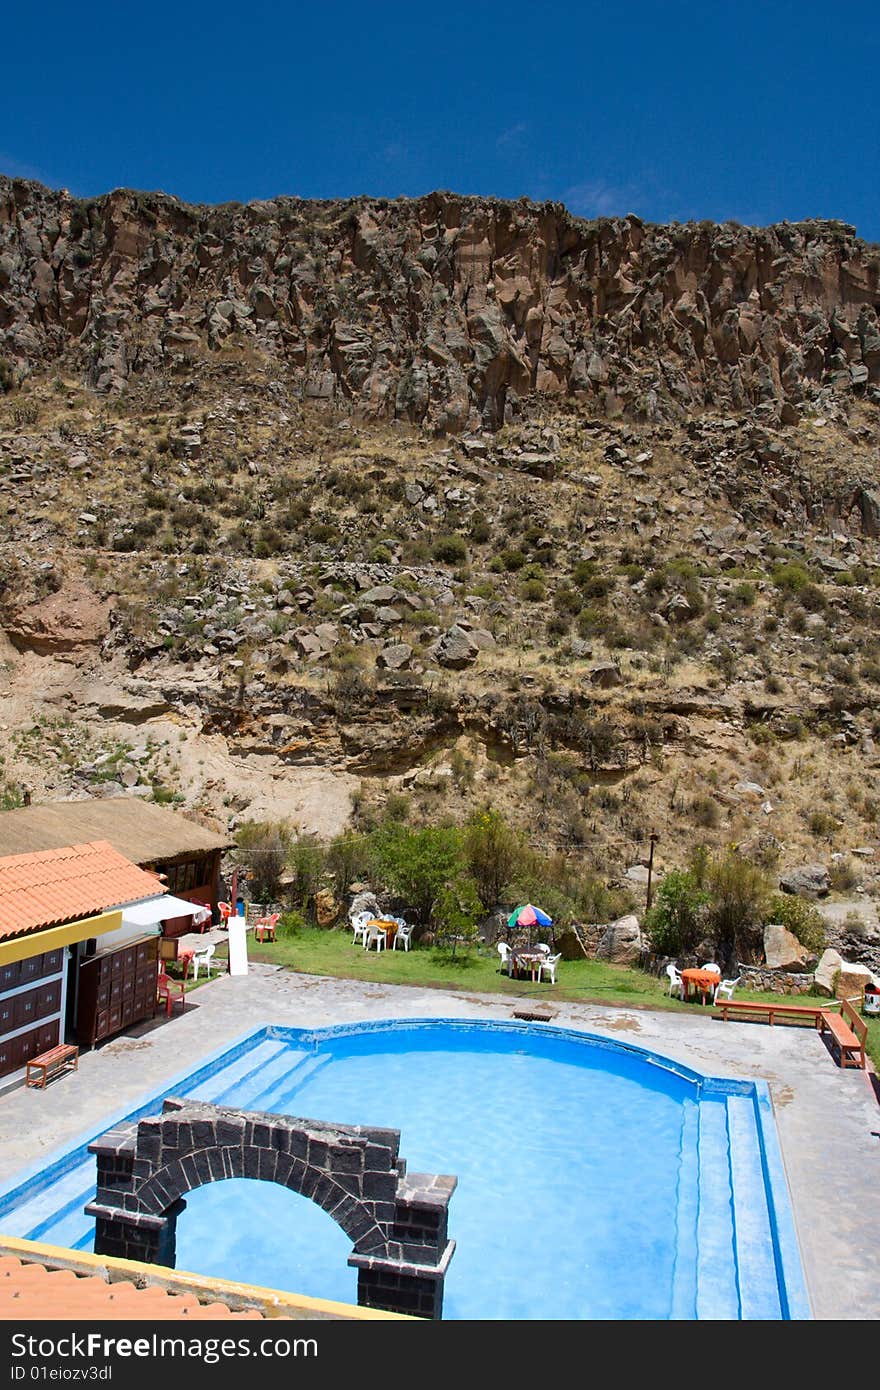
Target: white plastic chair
203,956
374,936
710,965
676,983
402,936
548,967
504,952
725,989
359,927
543,948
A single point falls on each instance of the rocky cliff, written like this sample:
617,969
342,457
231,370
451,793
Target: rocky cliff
445,311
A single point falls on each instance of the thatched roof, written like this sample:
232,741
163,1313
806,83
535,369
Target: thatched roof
143,832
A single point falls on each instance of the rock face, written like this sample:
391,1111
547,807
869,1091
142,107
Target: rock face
809,881
489,301
621,942
63,622
782,950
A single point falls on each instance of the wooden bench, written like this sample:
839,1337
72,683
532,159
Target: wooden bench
849,1032
64,1057
769,1009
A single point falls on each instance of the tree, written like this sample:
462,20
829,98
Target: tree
263,848
738,894
494,851
346,861
307,859
456,909
677,921
417,864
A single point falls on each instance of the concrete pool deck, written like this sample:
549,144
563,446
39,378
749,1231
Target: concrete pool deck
828,1119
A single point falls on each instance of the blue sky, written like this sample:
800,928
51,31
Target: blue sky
675,111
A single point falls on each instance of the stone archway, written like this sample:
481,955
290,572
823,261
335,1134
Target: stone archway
397,1222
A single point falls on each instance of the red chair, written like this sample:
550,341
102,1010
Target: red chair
225,910
169,990
265,926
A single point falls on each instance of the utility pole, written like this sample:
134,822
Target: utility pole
652,840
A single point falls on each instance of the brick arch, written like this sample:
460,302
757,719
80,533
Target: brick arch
396,1222
172,1183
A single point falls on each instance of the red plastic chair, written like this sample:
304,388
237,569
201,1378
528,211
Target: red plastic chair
225,910
265,926
169,990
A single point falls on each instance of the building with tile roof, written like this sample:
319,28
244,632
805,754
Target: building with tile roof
156,838
61,932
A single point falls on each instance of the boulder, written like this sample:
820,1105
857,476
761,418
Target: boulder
637,873
605,675
621,942
826,971
809,881
782,950
395,657
850,982
381,594
456,649
678,609
326,907
364,901
753,790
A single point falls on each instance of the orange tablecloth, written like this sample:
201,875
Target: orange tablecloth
389,928
702,981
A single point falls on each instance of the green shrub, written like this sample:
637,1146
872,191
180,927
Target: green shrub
291,922
307,858
791,577
532,591
735,915
512,560
801,918
705,812
450,550
822,825
843,876
676,922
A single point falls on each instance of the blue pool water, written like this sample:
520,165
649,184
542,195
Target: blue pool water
595,1180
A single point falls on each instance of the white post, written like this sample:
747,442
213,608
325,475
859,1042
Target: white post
238,961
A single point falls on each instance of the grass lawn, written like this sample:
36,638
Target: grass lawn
314,951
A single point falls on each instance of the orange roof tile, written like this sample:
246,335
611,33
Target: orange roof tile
31,1291
51,886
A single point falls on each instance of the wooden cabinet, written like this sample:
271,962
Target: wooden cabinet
116,989
29,1009
15,1052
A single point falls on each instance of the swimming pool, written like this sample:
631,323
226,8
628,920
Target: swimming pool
595,1179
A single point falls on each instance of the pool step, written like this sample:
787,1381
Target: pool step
758,1280
262,1085
278,1098
684,1274
219,1087
717,1292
